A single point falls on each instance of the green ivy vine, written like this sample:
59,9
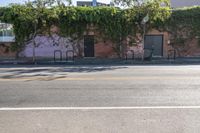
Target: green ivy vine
110,23
184,24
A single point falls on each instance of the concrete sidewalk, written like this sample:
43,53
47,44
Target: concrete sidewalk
101,121
97,61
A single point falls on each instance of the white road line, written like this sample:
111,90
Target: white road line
97,108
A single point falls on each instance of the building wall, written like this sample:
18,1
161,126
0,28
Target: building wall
105,50
46,45
84,3
90,3
184,3
138,47
190,48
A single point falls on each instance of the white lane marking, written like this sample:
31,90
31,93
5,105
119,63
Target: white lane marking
97,108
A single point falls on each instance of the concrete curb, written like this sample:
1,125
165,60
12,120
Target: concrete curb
182,61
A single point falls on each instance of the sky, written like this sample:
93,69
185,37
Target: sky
6,2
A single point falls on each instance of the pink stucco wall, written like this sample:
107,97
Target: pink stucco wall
45,46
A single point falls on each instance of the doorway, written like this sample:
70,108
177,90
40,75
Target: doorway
154,43
89,46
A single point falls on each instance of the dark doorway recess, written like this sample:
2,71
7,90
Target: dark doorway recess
89,46
154,43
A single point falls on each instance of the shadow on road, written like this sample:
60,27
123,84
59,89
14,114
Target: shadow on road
48,74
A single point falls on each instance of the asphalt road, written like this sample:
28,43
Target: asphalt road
100,99
100,86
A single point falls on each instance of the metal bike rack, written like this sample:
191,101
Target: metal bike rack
171,53
150,54
132,54
60,55
67,55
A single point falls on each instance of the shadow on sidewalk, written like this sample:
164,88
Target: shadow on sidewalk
48,74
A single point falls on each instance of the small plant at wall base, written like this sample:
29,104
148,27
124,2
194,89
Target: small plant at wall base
111,23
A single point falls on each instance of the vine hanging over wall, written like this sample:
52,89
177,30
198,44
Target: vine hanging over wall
111,23
184,24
